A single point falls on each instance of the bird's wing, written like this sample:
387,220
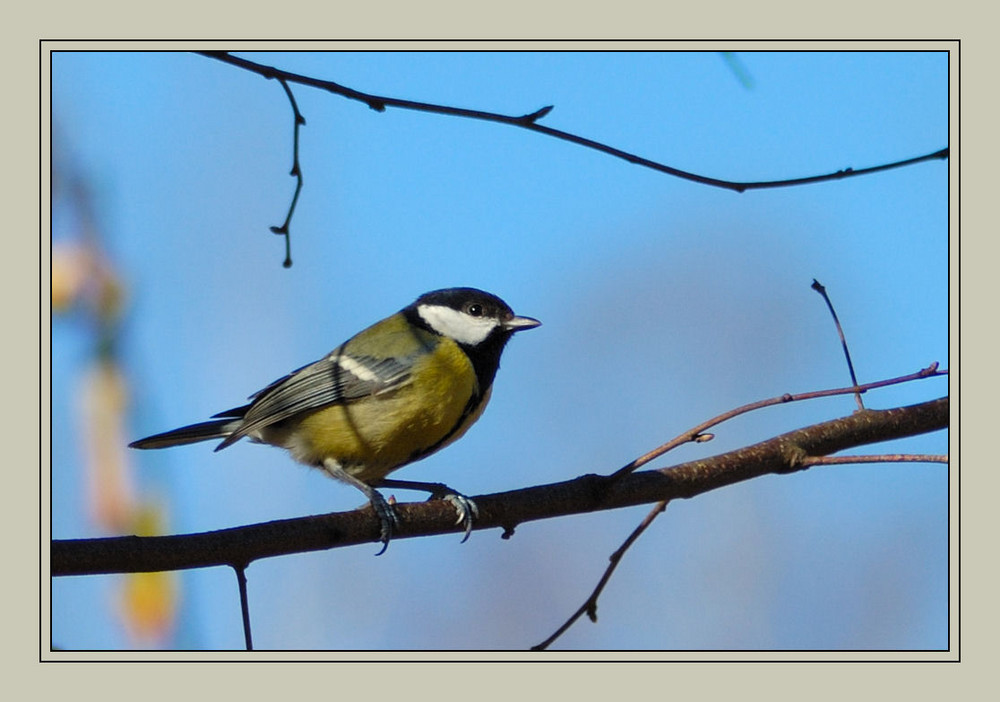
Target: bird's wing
335,379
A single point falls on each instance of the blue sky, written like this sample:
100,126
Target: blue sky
664,302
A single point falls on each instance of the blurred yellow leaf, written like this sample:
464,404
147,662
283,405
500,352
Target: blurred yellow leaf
81,273
69,270
149,600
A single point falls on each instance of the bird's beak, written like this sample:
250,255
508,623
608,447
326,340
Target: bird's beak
515,324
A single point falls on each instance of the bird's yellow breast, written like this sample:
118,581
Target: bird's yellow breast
377,434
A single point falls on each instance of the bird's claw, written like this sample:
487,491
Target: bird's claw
388,520
467,511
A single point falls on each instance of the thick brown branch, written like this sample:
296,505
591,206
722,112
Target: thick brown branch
589,493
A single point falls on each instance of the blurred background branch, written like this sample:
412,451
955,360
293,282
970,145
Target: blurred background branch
88,291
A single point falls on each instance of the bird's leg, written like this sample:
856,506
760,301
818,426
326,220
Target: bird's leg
465,507
383,510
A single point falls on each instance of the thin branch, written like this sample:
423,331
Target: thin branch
818,287
530,121
241,581
878,458
698,432
296,171
590,604
589,607
588,493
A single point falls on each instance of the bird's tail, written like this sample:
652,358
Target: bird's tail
203,431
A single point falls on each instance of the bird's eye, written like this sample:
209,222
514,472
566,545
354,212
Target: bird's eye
475,309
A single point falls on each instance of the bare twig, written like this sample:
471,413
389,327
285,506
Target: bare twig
818,287
589,607
698,433
590,604
241,581
877,458
530,121
296,171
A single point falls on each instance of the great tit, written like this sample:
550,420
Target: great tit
396,392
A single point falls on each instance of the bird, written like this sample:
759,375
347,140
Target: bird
394,393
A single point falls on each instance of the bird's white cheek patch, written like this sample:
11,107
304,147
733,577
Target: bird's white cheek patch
457,325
